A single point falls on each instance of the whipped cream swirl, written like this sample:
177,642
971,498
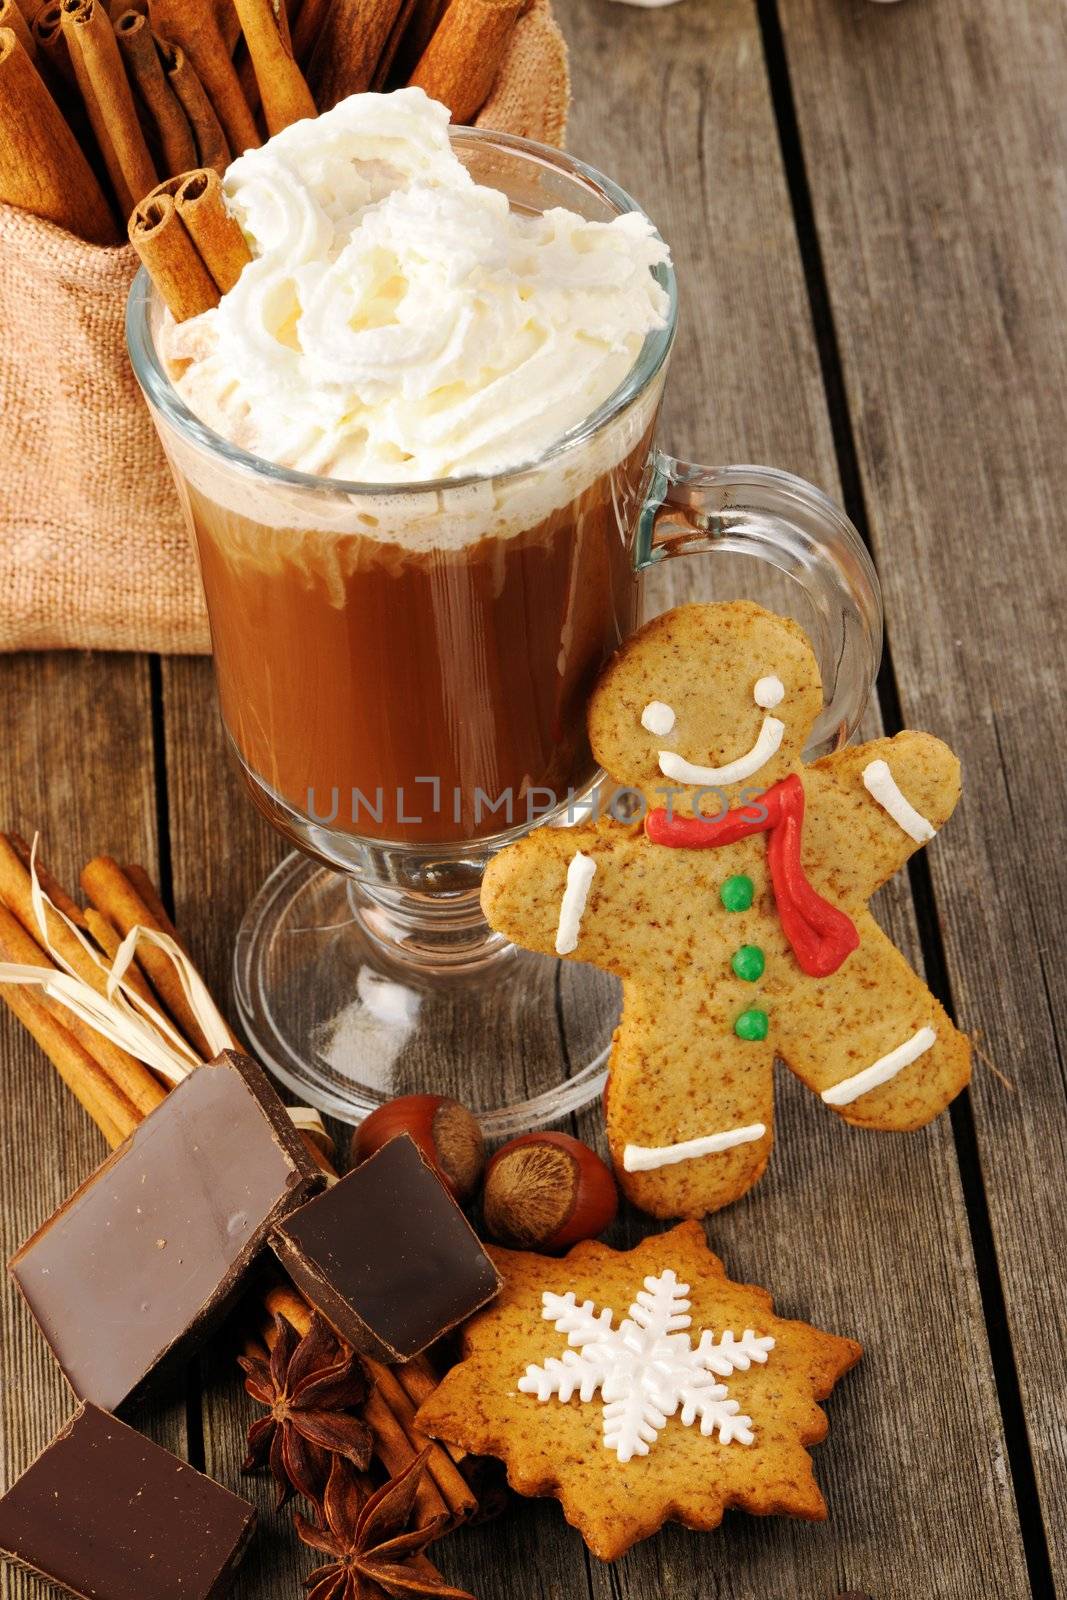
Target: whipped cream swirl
398,321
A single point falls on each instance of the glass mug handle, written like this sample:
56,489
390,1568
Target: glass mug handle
789,524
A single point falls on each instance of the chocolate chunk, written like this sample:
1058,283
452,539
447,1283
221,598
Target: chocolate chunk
109,1515
143,1261
387,1256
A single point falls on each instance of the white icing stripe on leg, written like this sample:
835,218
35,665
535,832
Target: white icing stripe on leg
880,782
849,1089
579,877
644,1158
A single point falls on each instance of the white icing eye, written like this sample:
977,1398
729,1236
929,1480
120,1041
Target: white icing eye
768,692
657,718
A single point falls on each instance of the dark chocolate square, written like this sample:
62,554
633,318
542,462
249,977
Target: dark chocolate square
109,1515
387,1256
143,1261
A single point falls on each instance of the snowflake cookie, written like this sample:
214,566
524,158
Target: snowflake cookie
640,1386
735,908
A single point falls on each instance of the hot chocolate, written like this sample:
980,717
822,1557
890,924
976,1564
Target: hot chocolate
419,694
404,646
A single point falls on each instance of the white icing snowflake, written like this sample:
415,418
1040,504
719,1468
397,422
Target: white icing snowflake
647,1367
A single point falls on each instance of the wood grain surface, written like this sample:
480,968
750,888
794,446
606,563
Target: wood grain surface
862,204
944,245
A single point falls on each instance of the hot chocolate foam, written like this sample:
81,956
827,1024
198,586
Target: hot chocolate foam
400,323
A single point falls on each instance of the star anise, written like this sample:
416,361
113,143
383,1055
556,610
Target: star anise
372,1550
311,1386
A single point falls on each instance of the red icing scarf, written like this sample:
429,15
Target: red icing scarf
820,935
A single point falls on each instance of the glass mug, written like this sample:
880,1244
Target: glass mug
403,671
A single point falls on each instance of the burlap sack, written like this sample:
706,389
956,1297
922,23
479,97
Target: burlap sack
93,550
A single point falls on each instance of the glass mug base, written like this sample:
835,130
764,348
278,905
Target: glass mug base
353,994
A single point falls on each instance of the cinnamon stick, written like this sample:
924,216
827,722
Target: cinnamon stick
395,1451
461,61
392,1443
81,1072
453,1486
42,168
282,1300
215,232
380,79
211,147
151,911
12,17
56,68
193,24
103,879
246,77
16,893
176,143
143,886
349,47
283,90
47,29
171,259
307,26
105,89
422,23
229,24
15,890
131,1077
108,940
48,881
419,1382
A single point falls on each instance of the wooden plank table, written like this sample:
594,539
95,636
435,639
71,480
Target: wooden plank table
866,205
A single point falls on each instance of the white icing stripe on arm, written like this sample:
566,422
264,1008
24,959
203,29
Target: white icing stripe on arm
880,782
579,877
886,1067
766,745
645,1158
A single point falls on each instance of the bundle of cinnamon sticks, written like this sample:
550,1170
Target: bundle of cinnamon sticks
118,1091
99,107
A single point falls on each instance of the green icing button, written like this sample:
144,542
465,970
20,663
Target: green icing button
737,892
748,962
752,1024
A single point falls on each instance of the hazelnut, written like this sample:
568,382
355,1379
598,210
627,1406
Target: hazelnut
446,1132
545,1191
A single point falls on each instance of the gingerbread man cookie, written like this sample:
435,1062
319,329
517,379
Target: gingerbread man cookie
641,1385
735,912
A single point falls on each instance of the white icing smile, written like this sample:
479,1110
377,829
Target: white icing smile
766,745
767,692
